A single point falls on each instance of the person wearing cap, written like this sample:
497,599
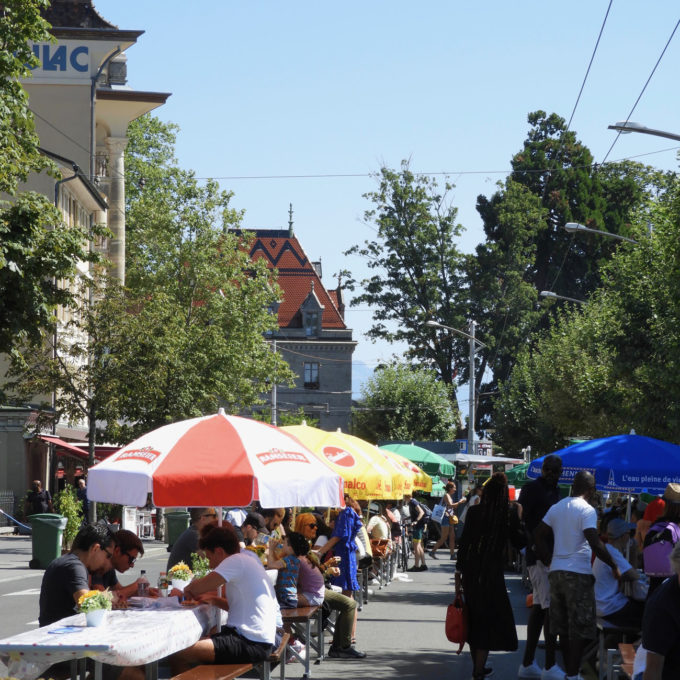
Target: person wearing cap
253,525
610,601
187,541
661,530
650,513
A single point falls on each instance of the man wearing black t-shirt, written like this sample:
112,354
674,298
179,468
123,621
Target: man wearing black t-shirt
661,627
536,498
67,577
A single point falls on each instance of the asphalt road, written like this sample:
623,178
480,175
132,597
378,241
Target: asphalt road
401,628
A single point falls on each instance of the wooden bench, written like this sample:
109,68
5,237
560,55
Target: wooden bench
277,656
215,672
301,619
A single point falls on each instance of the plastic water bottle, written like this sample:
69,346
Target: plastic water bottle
163,584
143,585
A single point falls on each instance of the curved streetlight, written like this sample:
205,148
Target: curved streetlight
474,344
574,227
555,296
624,127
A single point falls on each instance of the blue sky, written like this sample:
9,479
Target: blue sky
262,89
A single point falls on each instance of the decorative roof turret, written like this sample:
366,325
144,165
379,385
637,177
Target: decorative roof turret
75,14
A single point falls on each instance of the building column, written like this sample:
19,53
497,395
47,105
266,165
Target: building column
116,212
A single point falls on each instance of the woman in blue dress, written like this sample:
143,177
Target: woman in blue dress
342,543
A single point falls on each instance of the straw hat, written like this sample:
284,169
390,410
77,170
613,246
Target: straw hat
672,493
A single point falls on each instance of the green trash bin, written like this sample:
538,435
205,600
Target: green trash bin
46,534
177,521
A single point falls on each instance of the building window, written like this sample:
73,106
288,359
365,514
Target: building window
311,376
311,323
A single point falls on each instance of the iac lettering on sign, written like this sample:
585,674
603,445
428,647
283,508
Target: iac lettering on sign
62,57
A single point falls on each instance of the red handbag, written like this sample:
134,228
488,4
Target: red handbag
456,622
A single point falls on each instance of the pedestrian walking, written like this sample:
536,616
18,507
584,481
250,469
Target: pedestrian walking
449,521
479,575
573,522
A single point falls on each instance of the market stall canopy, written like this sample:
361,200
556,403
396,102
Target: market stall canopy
361,465
217,460
432,463
475,459
627,463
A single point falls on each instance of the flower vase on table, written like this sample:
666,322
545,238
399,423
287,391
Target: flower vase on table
180,575
95,604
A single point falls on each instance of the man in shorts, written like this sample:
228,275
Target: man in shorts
418,523
536,498
251,629
573,522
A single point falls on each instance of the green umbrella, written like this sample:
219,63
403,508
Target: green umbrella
517,476
432,463
438,488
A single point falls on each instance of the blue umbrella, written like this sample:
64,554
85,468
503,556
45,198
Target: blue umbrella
627,462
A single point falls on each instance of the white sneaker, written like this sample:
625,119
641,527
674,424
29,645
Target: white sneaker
553,673
533,671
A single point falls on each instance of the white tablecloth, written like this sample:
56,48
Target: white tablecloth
128,638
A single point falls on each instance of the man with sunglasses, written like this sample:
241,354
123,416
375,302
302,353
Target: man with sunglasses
125,550
187,541
67,577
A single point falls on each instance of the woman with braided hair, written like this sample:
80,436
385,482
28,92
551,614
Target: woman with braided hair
479,575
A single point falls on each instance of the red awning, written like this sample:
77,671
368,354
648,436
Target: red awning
61,444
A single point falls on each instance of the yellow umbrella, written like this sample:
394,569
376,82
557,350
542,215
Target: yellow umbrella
402,479
421,480
365,475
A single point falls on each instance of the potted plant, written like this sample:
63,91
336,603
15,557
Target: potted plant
94,604
199,565
180,575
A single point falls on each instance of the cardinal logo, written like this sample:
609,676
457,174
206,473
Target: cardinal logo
338,456
145,454
279,456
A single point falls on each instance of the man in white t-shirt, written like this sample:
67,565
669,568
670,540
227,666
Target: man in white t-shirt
612,603
250,600
572,597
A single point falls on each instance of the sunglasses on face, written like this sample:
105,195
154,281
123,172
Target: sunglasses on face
312,526
131,559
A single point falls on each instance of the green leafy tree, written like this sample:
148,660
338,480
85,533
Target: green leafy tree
20,22
418,269
610,365
185,336
527,250
404,402
36,249
66,503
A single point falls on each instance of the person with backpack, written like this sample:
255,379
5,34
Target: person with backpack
420,515
38,499
661,538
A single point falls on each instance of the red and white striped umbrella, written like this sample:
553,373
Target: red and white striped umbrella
217,460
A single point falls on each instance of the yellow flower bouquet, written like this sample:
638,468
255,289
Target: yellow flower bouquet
93,600
180,572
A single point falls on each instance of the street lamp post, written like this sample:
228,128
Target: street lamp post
555,296
575,227
628,126
473,349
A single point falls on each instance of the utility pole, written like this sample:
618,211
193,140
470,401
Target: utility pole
274,391
471,416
